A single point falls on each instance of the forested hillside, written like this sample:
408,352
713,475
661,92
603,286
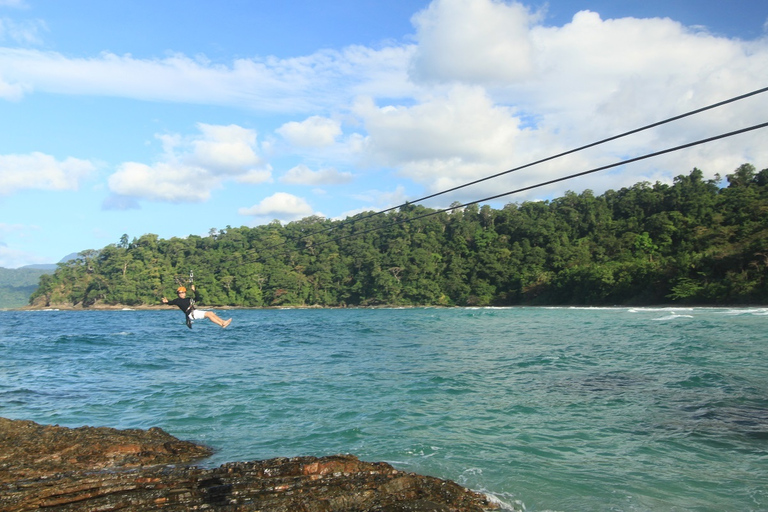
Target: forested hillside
16,285
696,241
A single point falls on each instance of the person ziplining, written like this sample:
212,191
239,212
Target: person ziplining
187,305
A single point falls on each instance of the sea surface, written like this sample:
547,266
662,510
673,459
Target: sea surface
562,409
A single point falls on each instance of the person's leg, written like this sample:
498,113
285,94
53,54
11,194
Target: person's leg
213,317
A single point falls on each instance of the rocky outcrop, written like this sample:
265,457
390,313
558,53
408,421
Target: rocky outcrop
102,469
29,450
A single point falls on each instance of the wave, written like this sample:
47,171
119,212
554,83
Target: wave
509,503
673,316
748,311
656,310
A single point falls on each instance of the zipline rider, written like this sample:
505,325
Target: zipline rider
187,305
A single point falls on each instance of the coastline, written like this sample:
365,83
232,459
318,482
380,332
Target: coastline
162,307
159,307
101,468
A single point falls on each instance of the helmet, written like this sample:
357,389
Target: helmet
181,289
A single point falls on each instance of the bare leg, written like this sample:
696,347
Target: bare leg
213,317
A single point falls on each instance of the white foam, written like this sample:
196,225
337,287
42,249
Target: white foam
510,504
656,310
673,316
748,311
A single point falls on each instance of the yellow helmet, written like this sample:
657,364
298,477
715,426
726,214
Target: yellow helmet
181,289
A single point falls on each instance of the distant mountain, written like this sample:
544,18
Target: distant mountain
68,257
40,266
17,284
51,266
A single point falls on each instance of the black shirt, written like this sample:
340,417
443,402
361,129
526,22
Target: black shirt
185,303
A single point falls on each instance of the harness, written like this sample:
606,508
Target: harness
191,308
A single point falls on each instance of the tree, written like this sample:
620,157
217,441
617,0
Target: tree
691,241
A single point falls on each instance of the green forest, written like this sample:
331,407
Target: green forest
694,241
16,285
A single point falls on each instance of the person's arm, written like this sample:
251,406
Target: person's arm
197,294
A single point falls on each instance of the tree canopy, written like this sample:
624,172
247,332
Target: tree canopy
695,241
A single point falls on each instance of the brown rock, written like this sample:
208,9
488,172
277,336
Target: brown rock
29,450
102,469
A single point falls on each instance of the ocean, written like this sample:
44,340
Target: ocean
558,409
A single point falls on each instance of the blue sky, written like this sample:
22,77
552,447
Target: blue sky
133,117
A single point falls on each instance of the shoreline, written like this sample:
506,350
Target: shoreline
102,468
161,307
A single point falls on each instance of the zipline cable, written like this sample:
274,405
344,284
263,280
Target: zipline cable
550,182
531,164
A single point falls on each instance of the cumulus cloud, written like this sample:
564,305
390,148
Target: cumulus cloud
473,41
482,86
225,150
464,124
445,140
281,206
191,167
303,175
163,181
518,91
314,132
38,171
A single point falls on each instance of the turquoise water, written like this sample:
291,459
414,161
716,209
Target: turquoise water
549,409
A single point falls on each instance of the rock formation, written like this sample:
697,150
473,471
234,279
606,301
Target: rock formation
103,469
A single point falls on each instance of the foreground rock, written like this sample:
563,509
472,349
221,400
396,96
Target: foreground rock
90,469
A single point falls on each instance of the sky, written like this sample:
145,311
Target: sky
137,116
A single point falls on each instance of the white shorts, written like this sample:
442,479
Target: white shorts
198,314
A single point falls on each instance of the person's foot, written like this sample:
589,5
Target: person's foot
226,323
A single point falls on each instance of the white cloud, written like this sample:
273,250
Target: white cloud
256,176
163,181
484,87
532,91
303,175
11,92
10,228
473,41
14,258
596,78
225,149
38,171
378,199
22,32
445,140
463,124
190,168
591,62
302,84
281,206
314,132
13,3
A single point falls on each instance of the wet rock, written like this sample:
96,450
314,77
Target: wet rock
101,469
29,450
